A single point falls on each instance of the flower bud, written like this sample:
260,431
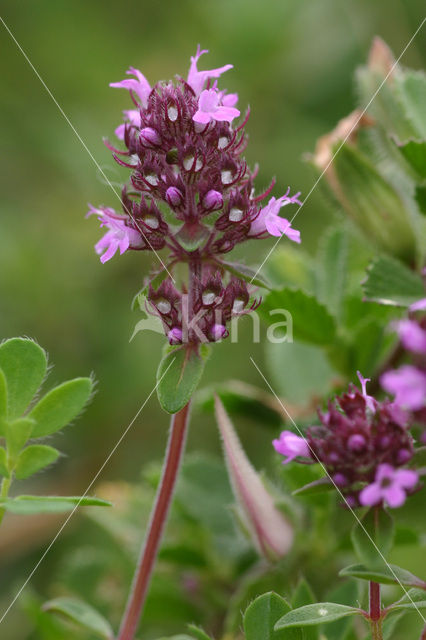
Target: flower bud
175,335
213,200
174,197
356,442
150,137
218,331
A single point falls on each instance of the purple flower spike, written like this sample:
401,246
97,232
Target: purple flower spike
408,384
197,79
209,108
291,446
413,337
390,486
140,86
269,221
119,235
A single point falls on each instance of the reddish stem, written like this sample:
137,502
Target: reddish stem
142,577
375,613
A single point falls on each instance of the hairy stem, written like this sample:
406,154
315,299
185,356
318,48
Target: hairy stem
142,577
375,612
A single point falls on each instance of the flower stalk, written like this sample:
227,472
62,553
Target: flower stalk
142,577
375,612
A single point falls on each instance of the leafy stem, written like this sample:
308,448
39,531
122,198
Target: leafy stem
375,614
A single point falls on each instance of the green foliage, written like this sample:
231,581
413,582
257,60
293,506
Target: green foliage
34,458
178,375
390,282
261,616
27,505
60,405
413,599
24,365
311,322
387,574
81,614
414,152
315,614
333,269
373,536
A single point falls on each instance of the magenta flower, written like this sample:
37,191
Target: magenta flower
291,445
269,221
209,108
119,235
413,337
408,384
134,118
197,79
420,305
140,87
370,401
390,486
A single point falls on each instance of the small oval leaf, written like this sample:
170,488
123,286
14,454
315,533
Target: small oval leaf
248,274
315,614
24,365
3,399
34,458
82,614
18,433
262,614
178,375
60,405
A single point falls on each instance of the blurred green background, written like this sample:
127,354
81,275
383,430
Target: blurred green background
294,62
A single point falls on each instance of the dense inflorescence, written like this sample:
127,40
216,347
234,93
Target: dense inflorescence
364,446
191,192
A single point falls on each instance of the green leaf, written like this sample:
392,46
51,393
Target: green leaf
332,268
34,458
412,87
316,614
3,398
24,365
178,375
344,593
414,152
390,282
373,536
4,470
302,596
311,321
262,614
248,274
192,236
387,574
18,433
317,486
27,505
413,599
197,633
60,405
82,614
